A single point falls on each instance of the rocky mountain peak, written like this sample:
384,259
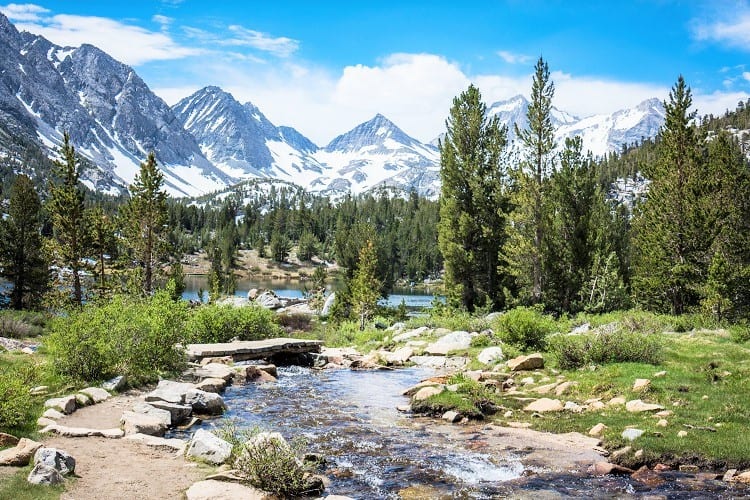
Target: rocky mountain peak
379,132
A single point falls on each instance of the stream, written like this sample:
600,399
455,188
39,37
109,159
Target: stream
373,451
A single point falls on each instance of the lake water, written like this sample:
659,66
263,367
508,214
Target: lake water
412,298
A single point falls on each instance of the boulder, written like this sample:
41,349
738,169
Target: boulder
581,329
160,443
83,400
178,413
632,434
20,454
546,389
116,384
573,406
43,474
616,401
564,388
682,434
169,391
209,448
456,341
641,384
742,478
211,385
660,374
65,404
216,370
399,356
7,440
597,430
544,405
490,355
621,452
146,409
252,373
530,362
650,478
606,468
429,361
83,431
415,388
452,417
596,405
252,294
638,406
268,299
52,414
141,423
56,459
205,403
211,489
426,392
97,394
222,360
411,334
662,423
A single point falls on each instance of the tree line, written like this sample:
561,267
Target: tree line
531,224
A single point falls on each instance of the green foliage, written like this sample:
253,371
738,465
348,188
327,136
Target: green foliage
482,340
365,287
145,216
576,351
17,487
21,324
307,247
124,336
15,402
740,333
271,464
221,323
23,261
525,327
68,215
473,202
280,247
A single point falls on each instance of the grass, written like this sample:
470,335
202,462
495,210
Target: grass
16,486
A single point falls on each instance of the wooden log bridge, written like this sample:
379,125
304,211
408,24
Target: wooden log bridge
253,349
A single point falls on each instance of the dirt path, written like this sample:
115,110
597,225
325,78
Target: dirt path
109,469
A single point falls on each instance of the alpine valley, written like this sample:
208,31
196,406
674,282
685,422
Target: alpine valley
209,141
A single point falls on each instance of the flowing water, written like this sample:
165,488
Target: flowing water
373,451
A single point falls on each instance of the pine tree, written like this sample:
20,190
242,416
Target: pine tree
66,206
524,251
473,203
146,217
22,258
668,242
102,240
365,287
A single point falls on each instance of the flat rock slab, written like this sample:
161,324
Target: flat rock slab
175,445
83,432
97,394
211,489
21,454
253,349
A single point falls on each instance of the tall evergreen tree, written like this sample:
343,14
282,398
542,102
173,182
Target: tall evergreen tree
66,206
365,287
21,254
524,252
669,245
473,202
146,216
102,240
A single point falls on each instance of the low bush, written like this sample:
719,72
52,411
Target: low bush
292,322
740,332
21,324
127,336
576,351
15,401
221,323
525,327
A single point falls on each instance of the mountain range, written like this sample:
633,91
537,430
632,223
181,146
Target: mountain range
210,141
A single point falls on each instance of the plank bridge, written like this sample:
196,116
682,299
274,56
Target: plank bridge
254,349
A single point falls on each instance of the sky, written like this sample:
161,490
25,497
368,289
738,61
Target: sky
325,66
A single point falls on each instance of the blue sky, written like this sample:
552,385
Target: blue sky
324,67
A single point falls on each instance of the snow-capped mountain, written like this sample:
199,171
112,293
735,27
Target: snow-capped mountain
242,142
113,118
378,153
600,133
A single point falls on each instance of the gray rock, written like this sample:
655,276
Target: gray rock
178,413
216,370
638,406
452,416
216,385
164,415
399,356
490,355
141,423
83,400
45,475
56,459
174,445
632,434
456,341
206,403
209,448
545,405
65,404
426,392
211,489
411,334
328,304
116,384
97,394
269,300
83,431
169,391
52,414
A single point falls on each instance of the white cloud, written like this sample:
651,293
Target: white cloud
734,31
279,46
746,75
716,103
164,21
511,58
23,12
127,43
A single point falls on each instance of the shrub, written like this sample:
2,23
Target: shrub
740,333
125,336
295,322
576,351
21,324
481,340
221,323
525,327
15,401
